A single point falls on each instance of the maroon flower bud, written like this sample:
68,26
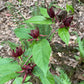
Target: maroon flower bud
34,33
27,69
51,12
67,21
18,52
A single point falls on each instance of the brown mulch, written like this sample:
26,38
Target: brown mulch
62,55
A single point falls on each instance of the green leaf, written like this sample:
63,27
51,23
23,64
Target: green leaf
69,8
64,78
64,35
36,11
44,12
8,72
79,1
58,79
81,47
41,54
28,83
22,33
39,20
82,82
5,60
77,57
44,29
27,78
48,79
12,45
18,80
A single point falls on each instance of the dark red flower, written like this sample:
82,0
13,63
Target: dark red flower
18,52
67,21
34,33
51,12
27,69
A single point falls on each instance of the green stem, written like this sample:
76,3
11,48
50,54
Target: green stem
20,61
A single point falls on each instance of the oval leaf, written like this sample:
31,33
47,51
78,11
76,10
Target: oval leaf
39,20
48,79
64,35
8,72
18,80
41,54
82,82
69,8
44,12
22,33
5,61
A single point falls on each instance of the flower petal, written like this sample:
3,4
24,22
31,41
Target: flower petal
24,78
51,12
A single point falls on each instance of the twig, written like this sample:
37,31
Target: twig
28,60
50,34
53,31
3,8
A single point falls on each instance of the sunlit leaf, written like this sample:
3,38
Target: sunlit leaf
41,54
64,35
18,80
5,60
8,72
44,12
48,79
69,8
39,20
22,33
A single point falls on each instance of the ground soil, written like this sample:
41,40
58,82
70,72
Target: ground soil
62,55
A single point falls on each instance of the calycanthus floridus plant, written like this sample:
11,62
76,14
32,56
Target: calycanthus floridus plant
31,57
